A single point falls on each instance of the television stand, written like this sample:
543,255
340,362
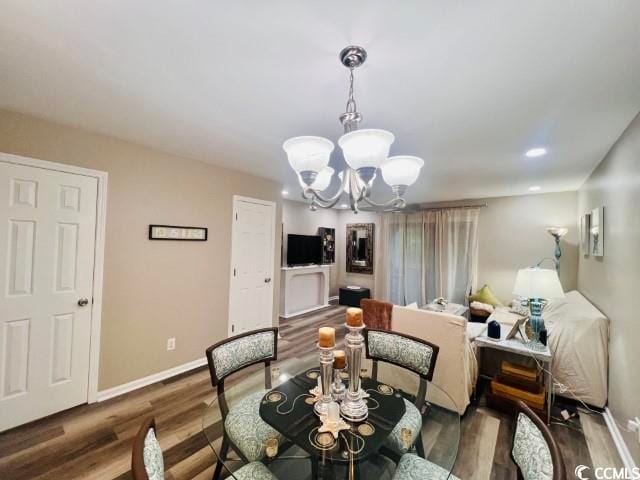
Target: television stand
303,289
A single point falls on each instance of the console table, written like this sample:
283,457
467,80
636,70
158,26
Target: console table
303,289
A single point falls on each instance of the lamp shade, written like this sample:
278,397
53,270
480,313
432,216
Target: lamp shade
557,231
537,282
308,154
401,170
322,181
366,148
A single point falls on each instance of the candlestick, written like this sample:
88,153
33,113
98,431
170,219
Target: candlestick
354,317
321,407
354,408
338,390
339,359
327,337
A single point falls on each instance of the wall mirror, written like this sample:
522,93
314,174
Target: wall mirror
360,248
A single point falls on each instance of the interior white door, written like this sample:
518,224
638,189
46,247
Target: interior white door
47,243
251,289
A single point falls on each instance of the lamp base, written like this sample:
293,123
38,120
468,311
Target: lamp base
536,345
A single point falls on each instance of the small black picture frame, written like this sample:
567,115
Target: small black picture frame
176,233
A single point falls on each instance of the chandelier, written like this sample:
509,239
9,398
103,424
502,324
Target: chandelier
365,151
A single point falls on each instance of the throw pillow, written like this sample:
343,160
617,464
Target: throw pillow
485,295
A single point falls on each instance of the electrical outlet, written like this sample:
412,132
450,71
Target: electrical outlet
171,344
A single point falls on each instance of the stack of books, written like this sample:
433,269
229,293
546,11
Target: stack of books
517,382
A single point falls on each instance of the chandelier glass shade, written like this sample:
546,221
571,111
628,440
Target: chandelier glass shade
365,152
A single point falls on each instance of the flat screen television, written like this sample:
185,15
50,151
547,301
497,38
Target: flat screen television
304,249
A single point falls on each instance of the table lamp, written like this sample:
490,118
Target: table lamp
557,233
537,284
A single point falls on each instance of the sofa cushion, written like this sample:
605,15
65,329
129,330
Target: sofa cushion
485,295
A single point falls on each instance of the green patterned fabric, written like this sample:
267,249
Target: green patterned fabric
152,456
530,451
236,354
413,467
411,420
247,430
403,351
254,471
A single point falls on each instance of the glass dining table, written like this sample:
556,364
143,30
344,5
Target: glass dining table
366,450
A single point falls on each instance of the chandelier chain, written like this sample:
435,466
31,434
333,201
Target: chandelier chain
351,102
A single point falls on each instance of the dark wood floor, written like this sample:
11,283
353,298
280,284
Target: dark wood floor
94,441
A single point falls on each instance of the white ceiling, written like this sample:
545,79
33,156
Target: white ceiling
467,85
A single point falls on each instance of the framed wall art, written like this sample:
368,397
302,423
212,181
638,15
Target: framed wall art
172,232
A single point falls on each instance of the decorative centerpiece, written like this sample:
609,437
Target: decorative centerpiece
332,422
326,344
338,389
354,408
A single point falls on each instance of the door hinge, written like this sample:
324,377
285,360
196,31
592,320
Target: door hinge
234,272
236,216
233,328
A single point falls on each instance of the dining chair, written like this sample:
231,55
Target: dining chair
244,431
376,314
146,458
413,467
415,355
147,462
534,451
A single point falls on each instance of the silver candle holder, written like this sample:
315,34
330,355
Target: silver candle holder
338,390
354,408
321,407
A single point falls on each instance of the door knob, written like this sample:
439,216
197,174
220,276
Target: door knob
83,302
267,280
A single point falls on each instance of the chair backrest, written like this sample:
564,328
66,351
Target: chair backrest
411,353
402,350
377,314
534,450
236,353
146,458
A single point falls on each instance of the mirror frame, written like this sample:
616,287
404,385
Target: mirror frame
351,267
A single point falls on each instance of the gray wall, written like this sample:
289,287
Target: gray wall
611,282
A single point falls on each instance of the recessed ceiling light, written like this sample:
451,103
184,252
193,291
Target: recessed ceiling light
284,193
534,188
536,152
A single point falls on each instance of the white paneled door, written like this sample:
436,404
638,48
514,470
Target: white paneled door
252,258
47,242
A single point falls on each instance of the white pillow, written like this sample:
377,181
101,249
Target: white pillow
413,306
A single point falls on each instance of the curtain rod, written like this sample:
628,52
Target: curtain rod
480,205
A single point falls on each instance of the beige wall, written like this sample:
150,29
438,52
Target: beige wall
512,235
152,290
611,282
298,219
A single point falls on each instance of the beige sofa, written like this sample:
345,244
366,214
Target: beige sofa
578,336
456,368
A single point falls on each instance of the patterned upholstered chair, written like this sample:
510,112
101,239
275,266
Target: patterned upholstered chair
534,450
146,459
244,431
147,462
411,353
413,467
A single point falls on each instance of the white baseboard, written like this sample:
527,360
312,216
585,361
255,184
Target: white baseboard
143,382
618,440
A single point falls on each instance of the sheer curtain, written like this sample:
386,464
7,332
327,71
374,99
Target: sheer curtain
428,254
